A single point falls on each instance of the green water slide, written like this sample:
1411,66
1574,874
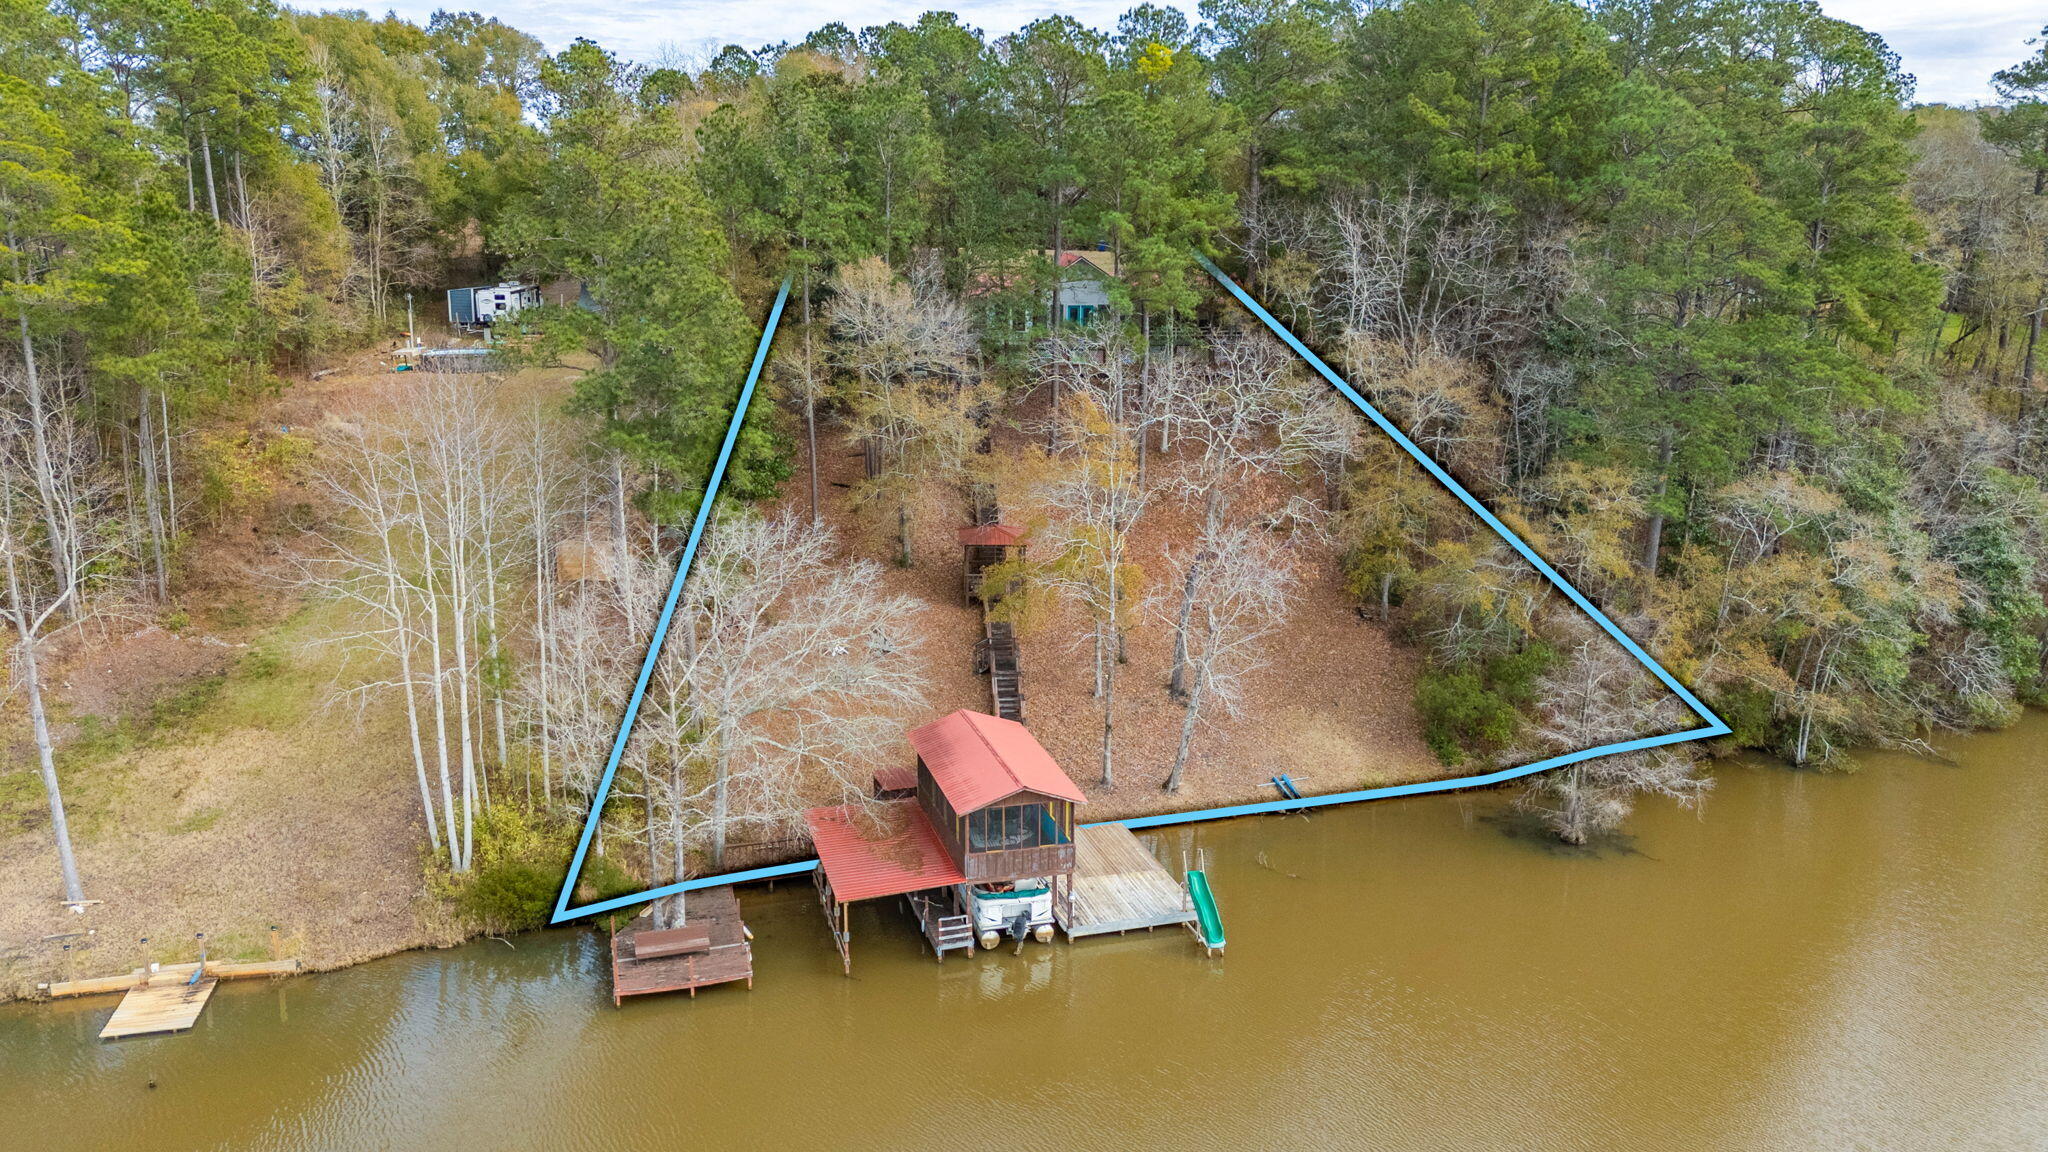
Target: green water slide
1209,919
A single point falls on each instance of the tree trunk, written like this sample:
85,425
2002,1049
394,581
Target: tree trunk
543,596
396,600
721,801
46,752
622,556
1144,385
1052,311
163,407
1187,737
810,402
152,506
456,859
1176,685
1108,724
2033,341
61,561
212,195
1656,531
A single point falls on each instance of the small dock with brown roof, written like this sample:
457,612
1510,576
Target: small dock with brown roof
711,946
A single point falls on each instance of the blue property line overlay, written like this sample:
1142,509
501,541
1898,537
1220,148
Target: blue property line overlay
668,612
1714,726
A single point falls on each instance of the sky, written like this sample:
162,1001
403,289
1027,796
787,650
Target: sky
1952,48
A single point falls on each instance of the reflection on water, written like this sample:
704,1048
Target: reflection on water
1818,962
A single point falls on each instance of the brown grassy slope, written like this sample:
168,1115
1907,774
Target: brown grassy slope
211,787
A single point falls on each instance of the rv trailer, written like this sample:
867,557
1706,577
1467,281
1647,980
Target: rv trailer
471,309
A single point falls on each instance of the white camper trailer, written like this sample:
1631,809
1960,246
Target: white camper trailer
470,309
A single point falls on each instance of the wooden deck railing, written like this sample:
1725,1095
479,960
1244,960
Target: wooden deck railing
761,854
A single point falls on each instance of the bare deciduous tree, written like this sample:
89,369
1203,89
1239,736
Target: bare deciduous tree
59,530
430,498
1241,416
914,394
781,686
1093,501
1599,695
1242,599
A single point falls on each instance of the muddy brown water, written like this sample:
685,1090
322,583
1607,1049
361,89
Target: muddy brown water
1817,962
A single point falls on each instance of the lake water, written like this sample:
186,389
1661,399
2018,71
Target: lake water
1839,961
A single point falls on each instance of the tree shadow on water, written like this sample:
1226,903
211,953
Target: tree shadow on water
1528,830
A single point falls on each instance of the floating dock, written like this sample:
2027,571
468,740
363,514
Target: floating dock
1117,886
166,999
168,1006
710,947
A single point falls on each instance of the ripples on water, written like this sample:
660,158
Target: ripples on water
1816,962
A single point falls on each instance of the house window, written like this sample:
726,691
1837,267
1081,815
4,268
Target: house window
1080,313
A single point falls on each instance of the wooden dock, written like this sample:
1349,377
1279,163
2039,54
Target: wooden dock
1117,886
165,1006
726,958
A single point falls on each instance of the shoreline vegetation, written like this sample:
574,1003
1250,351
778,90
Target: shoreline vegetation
316,657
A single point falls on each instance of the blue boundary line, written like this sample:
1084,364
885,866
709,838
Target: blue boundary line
1714,726
668,611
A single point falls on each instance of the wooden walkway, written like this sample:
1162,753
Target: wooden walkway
169,974
998,658
1118,886
729,959
166,1006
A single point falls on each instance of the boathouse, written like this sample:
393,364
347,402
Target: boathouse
987,821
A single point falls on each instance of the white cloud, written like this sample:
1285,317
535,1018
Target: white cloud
1952,50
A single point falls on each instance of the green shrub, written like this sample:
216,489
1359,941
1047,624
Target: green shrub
1479,707
509,896
517,873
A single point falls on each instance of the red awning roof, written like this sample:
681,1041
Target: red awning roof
886,850
977,759
991,535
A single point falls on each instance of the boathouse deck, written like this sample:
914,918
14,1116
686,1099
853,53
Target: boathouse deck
1117,886
724,958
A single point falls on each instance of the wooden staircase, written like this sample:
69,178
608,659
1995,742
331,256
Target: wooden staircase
945,928
998,658
981,500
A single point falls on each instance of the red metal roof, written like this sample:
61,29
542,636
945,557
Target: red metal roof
991,535
977,759
879,850
896,778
